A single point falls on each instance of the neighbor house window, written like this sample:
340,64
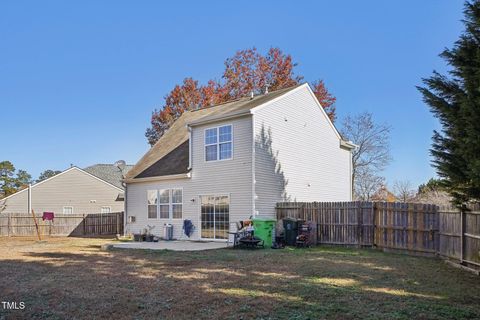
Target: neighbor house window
152,202
219,143
165,204
67,210
105,210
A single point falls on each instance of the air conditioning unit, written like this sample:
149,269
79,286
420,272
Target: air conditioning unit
131,219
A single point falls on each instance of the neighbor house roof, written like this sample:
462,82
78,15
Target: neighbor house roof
171,153
109,173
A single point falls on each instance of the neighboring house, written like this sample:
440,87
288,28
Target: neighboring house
222,164
95,189
383,195
437,197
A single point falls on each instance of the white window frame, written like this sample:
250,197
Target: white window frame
229,196
156,205
106,207
217,143
170,204
63,211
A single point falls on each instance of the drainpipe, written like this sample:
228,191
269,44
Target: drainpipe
29,198
189,147
125,208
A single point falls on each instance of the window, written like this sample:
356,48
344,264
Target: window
215,216
177,203
152,204
165,204
219,143
105,210
67,210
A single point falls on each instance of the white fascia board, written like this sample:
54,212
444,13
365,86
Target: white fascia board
39,183
159,178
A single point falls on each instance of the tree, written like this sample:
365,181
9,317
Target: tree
403,190
47,174
455,100
246,72
367,184
11,182
373,152
22,179
432,185
7,180
326,99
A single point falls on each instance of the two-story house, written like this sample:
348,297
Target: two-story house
226,163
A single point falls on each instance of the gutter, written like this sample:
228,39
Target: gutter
219,117
159,178
347,144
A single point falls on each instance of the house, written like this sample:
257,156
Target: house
383,195
95,189
222,164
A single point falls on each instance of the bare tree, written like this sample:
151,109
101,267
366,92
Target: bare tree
403,190
367,184
373,152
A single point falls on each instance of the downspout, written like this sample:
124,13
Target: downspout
254,196
189,147
125,209
29,206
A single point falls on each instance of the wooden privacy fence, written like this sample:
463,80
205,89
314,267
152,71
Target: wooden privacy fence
409,227
85,225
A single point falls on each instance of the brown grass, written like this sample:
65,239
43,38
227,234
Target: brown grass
72,278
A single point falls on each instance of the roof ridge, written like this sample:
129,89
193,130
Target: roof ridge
248,97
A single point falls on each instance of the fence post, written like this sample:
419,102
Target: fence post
84,225
462,220
8,224
374,223
117,216
359,223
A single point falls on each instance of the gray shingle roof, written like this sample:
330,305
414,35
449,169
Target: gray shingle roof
108,173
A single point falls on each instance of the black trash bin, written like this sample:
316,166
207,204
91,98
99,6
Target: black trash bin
291,231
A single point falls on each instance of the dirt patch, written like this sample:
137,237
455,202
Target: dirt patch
73,278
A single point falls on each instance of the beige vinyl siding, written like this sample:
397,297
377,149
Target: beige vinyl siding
297,154
73,188
232,177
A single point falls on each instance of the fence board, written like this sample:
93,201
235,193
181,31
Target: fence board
410,227
21,224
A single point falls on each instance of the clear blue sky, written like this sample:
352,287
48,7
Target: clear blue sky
79,80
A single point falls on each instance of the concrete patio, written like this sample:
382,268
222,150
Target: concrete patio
170,245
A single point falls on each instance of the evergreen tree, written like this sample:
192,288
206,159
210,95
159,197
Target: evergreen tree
455,100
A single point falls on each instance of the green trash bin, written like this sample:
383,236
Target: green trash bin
263,229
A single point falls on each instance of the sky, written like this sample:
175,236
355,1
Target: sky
79,80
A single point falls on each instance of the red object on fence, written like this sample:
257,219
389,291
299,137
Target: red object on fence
48,216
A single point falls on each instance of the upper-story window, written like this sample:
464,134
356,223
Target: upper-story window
219,143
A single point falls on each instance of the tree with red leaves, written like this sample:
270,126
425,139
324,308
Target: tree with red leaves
326,99
247,71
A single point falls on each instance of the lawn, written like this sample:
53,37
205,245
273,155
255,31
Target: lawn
73,278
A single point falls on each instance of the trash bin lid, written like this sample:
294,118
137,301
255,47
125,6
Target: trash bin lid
264,220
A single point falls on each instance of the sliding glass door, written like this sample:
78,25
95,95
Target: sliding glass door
215,210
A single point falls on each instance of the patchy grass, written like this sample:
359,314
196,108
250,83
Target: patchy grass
72,278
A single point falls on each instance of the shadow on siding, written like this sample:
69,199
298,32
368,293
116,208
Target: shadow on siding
271,167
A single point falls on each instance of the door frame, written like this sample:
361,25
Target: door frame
200,215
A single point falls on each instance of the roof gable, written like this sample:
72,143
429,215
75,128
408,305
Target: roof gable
59,175
178,132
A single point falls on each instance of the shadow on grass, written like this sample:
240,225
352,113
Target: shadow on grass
313,283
